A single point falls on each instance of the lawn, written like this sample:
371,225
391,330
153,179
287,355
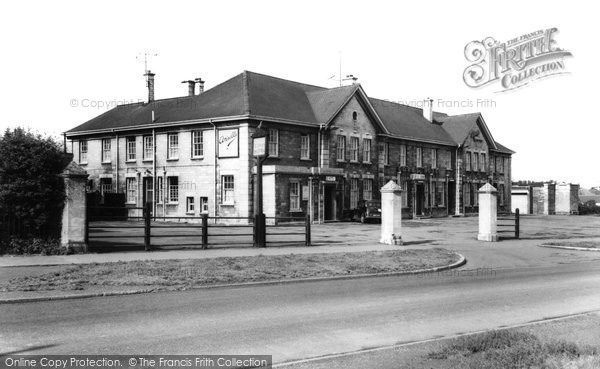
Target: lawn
185,274
582,244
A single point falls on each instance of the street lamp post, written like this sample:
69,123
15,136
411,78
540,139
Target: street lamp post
260,153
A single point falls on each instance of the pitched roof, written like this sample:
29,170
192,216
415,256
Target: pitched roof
459,126
408,122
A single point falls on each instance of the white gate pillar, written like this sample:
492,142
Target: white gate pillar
488,213
391,214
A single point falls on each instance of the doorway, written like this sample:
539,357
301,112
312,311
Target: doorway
148,191
420,199
329,202
451,197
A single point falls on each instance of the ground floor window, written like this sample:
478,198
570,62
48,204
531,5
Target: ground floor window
467,194
227,190
173,186
204,205
404,186
353,193
294,196
501,194
105,186
440,193
131,190
189,205
160,194
368,189
475,194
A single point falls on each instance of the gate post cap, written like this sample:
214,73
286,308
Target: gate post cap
487,188
391,186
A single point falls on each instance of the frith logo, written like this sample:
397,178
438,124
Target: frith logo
514,63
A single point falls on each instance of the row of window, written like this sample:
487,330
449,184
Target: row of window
477,162
471,197
148,148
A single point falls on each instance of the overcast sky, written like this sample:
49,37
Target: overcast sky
58,54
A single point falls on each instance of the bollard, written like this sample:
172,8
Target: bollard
517,223
147,217
307,230
204,231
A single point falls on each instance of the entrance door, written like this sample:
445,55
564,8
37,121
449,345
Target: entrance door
329,202
451,197
148,190
420,198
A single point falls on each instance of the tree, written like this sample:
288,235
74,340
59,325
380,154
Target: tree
31,188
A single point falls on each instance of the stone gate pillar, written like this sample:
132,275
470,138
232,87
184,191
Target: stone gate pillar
488,213
74,212
391,214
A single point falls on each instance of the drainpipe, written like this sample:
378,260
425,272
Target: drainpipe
215,167
117,188
458,185
154,189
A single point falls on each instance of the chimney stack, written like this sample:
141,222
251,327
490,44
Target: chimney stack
428,109
150,84
200,85
191,87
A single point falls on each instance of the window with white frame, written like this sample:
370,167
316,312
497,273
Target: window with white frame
173,189
106,148
197,144
419,157
353,148
402,155
440,193
367,150
173,146
434,158
294,196
204,205
305,147
353,193
273,142
131,189
130,149
160,192
189,205
367,189
341,148
83,150
227,190
148,148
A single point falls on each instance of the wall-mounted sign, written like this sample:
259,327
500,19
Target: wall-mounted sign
229,143
417,177
259,146
330,178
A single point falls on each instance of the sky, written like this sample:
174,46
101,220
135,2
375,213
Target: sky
64,62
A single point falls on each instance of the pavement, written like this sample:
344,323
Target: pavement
311,319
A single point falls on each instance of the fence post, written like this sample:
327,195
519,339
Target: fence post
86,234
517,225
147,218
307,231
260,231
204,231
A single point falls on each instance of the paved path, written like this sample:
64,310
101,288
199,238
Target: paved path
302,320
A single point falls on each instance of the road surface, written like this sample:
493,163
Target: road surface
294,321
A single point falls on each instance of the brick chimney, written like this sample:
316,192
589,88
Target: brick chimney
150,84
428,109
200,85
191,87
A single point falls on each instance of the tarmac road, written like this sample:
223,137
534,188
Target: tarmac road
294,321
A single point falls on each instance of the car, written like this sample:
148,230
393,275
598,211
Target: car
368,210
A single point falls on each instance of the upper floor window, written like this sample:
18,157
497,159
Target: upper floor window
197,144
83,150
499,164
173,146
385,150
434,158
482,163
475,162
468,161
130,148
106,150
419,157
402,155
273,142
353,148
148,148
367,150
341,148
305,147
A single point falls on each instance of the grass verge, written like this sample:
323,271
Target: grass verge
184,274
513,349
582,244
